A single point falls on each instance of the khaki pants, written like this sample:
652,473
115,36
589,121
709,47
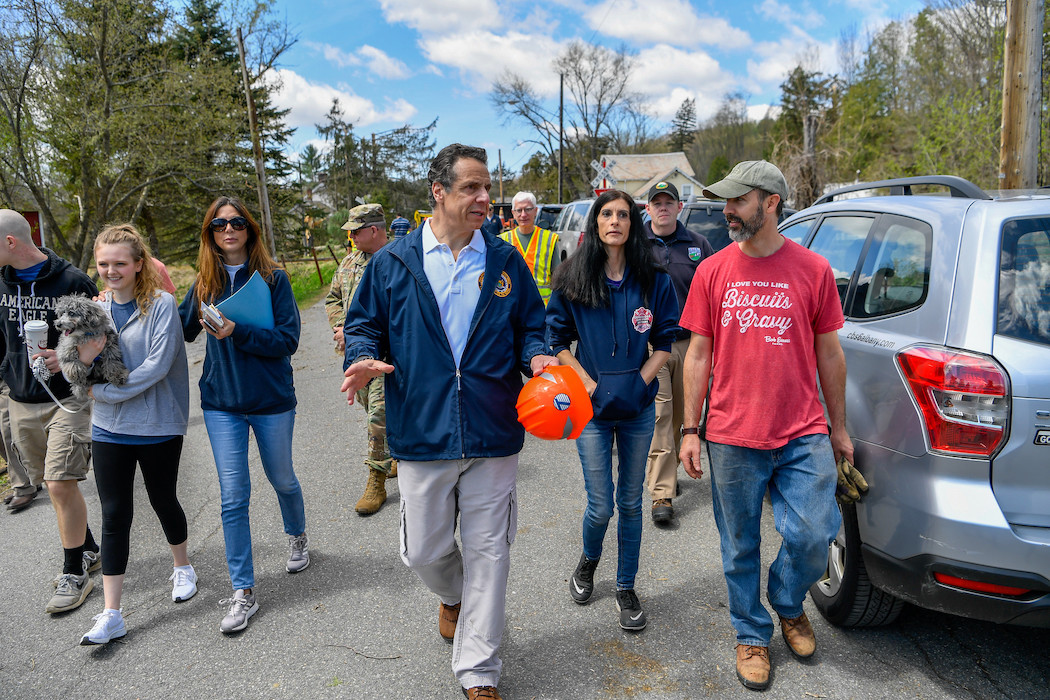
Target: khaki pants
484,494
16,472
661,471
53,445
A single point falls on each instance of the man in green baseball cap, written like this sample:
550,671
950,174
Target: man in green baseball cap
366,228
764,315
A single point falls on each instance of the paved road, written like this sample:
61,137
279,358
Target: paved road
358,624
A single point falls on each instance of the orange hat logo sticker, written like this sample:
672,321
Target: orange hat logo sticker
555,405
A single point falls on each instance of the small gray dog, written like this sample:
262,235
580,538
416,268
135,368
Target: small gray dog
81,319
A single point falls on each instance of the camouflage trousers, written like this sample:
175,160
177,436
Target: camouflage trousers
371,399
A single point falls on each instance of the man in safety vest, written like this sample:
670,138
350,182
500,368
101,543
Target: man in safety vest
535,244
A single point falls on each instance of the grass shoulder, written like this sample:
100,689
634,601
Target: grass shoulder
306,285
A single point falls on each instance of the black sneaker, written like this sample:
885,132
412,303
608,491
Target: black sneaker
632,617
581,585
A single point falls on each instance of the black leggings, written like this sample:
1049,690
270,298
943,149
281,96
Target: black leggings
115,477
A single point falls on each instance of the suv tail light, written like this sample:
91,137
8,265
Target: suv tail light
962,396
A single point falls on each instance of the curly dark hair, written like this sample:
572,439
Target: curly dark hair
441,169
581,278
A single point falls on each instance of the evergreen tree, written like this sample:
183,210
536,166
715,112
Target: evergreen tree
683,126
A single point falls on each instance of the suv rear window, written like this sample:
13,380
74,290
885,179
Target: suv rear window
1024,280
710,222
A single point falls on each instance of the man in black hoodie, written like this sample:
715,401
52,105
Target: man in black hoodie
53,442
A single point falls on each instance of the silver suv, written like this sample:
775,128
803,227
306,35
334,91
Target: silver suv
947,342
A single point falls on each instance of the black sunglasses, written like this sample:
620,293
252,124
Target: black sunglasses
239,223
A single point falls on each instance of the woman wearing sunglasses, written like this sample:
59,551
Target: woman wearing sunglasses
246,383
616,303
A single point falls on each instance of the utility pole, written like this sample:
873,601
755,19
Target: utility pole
260,167
499,157
1022,83
561,130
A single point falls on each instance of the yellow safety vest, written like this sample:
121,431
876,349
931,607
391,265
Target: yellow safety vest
538,256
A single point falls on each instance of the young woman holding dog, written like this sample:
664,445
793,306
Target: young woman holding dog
612,299
142,421
246,383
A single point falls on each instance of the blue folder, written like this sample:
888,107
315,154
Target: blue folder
250,305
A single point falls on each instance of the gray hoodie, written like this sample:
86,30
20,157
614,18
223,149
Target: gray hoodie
156,399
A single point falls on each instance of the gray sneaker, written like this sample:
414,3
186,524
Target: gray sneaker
298,554
242,606
92,560
70,592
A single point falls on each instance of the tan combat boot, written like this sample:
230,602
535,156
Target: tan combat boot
375,493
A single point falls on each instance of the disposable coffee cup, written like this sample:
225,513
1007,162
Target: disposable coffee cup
36,337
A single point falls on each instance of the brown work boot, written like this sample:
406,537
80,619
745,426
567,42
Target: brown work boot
393,469
480,692
752,666
798,634
448,616
375,493
663,511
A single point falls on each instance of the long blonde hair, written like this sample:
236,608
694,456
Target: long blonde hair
211,275
147,280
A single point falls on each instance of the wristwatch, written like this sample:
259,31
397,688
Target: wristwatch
691,431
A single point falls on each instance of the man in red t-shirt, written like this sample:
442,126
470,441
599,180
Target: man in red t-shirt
764,315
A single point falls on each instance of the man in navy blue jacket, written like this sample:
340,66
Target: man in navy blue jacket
680,251
453,318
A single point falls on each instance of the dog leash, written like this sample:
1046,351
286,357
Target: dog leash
43,374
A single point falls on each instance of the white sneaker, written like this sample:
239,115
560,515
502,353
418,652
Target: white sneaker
185,586
109,625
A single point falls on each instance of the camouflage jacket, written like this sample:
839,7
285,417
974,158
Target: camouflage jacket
344,283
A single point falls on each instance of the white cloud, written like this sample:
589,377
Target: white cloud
383,65
309,102
801,14
434,17
669,76
375,60
674,22
482,57
778,58
334,54
757,113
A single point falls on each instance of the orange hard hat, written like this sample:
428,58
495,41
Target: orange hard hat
555,405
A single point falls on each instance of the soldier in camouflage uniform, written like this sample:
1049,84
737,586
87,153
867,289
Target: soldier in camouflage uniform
366,228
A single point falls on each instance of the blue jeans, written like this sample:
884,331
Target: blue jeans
228,433
801,480
633,437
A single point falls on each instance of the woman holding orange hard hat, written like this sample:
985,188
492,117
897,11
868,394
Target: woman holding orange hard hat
613,299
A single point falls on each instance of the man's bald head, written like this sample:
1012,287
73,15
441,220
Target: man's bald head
14,224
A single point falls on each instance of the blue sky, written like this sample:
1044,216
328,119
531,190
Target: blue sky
392,62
